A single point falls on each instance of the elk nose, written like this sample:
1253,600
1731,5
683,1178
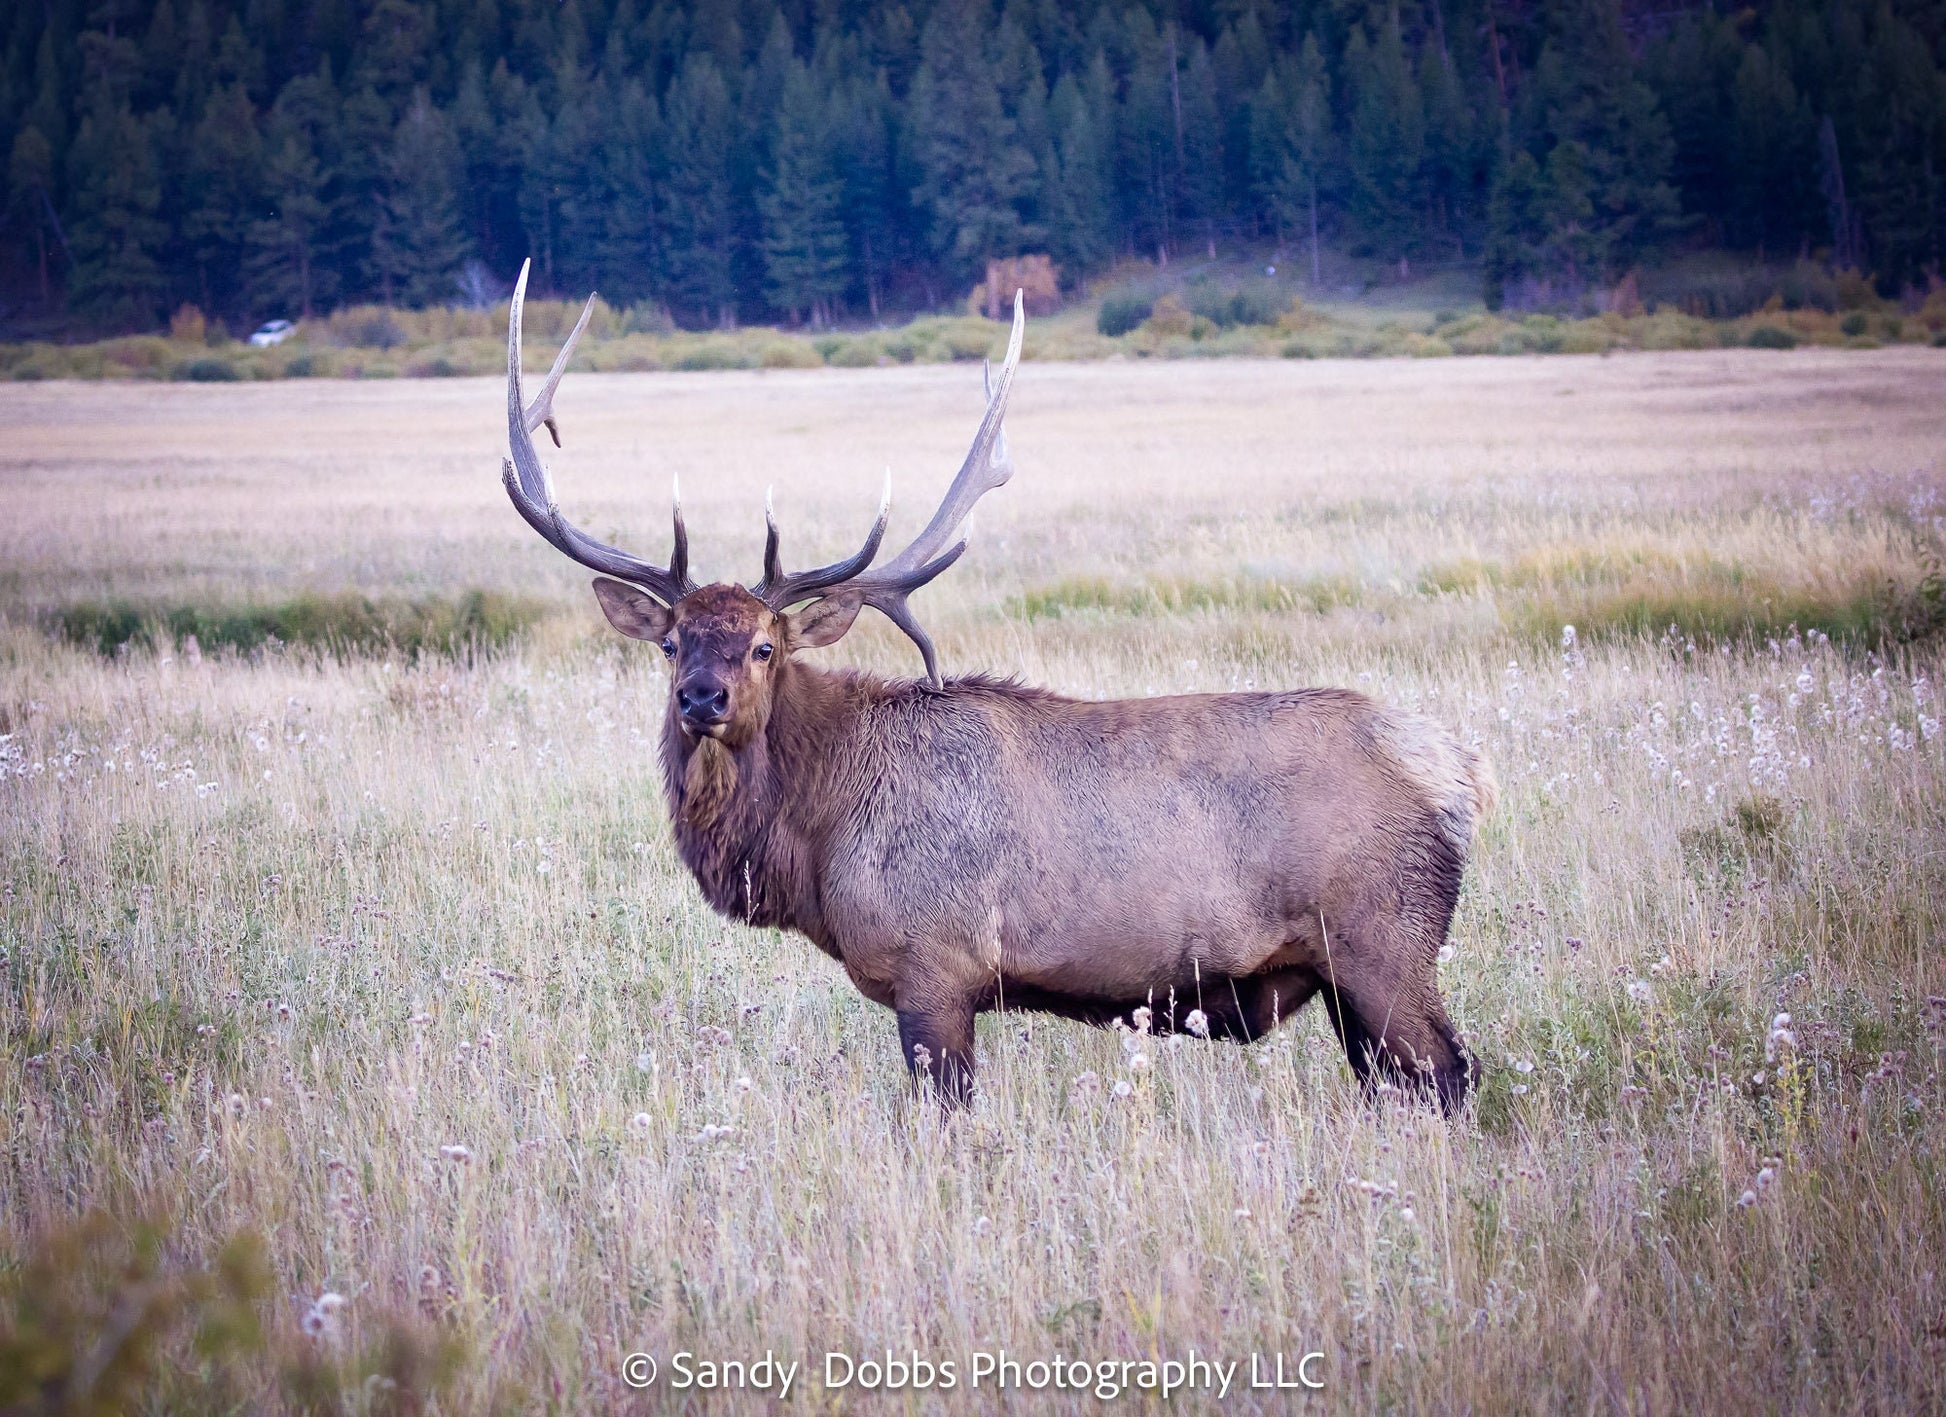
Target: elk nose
702,703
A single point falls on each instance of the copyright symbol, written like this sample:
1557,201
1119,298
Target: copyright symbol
638,1370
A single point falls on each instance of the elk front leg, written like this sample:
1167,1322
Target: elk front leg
936,1036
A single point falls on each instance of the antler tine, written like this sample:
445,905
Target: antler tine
780,590
986,467
532,490
541,410
885,588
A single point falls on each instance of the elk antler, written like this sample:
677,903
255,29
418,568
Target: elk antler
885,588
532,490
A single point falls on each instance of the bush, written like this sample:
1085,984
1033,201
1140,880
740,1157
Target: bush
1122,313
788,354
648,318
852,354
335,624
305,366
1255,302
207,371
375,329
1770,337
1170,317
711,354
1855,323
189,325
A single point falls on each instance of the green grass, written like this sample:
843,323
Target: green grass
330,624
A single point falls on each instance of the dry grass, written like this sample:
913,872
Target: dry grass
282,930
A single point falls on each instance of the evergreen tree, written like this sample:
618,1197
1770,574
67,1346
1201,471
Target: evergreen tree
804,242
1774,140
873,197
1585,90
115,187
973,170
288,264
419,244
30,174
1385,145
1290,141
1201,184
1081,216
630,240
698,199
224,180
272,154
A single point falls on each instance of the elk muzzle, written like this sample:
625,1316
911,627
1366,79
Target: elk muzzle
704,703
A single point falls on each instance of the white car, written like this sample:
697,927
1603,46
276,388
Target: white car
274,332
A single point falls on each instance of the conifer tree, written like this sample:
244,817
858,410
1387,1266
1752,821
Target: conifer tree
1385,144
697,210
973,171
224,186
1081,215
115,187
804,242
419,243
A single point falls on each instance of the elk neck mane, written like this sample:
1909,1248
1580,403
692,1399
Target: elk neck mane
751,822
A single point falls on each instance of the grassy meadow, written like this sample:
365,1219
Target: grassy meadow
364,1047
1215,310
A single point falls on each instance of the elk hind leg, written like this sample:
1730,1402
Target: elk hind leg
936,1037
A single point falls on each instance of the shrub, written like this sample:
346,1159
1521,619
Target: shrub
711,354
1255,302
854,354
1121,313
1855,323
375,329
438,367
304,366
207,371
334,624
648,318
188,325
1771,337
966,342
788,354
1170,317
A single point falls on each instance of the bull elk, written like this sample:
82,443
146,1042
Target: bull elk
970,844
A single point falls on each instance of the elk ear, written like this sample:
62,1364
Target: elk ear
824,622
636,615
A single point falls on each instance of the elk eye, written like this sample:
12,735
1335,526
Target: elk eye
669,647
762,651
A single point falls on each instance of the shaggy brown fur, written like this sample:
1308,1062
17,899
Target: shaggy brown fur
985,845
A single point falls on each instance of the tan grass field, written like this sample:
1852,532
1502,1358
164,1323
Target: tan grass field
386,965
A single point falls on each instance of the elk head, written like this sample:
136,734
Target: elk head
728,646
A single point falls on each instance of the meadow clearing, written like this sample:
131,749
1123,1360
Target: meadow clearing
351,984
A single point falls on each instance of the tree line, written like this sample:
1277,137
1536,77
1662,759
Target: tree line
811,160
